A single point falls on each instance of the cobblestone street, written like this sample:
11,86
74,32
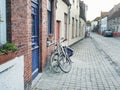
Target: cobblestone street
93,68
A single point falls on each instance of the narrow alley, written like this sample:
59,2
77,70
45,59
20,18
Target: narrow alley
32,33
92,68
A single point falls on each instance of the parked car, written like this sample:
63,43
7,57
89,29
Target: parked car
107,33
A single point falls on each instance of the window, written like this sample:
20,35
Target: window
79,27
3,24
65,24
73,1
49,8
77,3
72,27
76,27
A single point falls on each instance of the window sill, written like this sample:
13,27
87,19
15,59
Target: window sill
49,43
50,40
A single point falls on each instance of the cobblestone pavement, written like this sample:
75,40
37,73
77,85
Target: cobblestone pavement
110,46
91,71
117,38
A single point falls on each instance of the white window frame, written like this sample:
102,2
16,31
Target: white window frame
3,24
49,5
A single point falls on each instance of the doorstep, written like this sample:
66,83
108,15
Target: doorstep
36,80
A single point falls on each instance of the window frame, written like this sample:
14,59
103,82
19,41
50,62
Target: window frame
3,30
76,27
73,20
65,25
50,16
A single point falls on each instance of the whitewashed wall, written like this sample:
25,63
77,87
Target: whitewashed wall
93,24
11,74
62,8
83,28
103,24
74,13
82,32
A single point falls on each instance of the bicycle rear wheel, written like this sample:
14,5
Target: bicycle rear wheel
65,63
54,62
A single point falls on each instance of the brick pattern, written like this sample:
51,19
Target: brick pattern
43,31
19,28
111,48
91,70
45,51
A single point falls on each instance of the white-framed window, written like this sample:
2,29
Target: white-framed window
76,27
50,20
72,27
49,5
3,23
65,25
73,1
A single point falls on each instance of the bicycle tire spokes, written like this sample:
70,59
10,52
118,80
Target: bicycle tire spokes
60,60
65,65
54,62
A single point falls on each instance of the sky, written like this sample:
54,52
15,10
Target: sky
96,6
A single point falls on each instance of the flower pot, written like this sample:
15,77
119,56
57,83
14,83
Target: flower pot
7,57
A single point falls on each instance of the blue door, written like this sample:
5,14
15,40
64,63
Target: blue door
35,38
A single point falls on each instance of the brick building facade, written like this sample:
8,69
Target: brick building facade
30,24
19,18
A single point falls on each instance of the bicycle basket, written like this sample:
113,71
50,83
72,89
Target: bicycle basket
69,51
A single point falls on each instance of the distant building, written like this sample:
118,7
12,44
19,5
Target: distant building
95,24
83,10
114,20
88,24
103,21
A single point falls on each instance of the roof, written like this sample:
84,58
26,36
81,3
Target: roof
115,15
96,19
103,14
114,12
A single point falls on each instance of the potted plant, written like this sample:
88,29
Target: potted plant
7,52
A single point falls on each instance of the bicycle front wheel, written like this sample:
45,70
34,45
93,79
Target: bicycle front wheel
54,62
65,64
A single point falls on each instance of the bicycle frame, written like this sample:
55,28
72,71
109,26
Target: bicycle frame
60,49
62,60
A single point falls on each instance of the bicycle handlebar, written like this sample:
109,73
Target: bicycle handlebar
63,40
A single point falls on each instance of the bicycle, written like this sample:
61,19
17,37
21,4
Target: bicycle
60,58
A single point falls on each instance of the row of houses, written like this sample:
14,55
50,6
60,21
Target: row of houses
109,20
34,26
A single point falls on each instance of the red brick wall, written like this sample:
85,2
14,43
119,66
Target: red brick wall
45,51
19,27
43,31
19,31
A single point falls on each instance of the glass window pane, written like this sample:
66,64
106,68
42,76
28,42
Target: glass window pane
3,24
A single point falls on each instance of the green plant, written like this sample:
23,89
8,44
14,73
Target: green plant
8,47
